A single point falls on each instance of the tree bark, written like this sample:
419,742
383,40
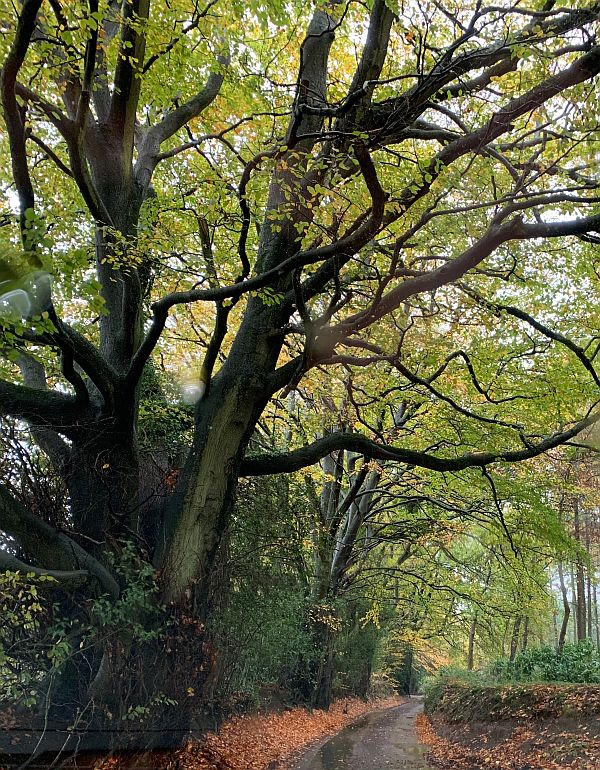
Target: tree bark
514,640
471,647
595,592
566,610
579,590
525,641
225,420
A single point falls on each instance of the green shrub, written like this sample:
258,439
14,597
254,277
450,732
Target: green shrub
577,663
25,609
433,689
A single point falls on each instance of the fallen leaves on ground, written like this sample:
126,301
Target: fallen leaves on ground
269,741
545,744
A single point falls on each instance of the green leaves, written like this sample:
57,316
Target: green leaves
268,296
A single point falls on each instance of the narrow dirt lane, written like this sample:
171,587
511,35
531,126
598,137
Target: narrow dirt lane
383,740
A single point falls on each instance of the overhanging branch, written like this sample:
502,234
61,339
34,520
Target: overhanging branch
303,457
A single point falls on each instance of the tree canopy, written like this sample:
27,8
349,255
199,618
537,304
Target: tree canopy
239,240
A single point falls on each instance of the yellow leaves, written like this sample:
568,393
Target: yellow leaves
372,615
325,615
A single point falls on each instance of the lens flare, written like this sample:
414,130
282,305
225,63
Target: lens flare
192,391
15,305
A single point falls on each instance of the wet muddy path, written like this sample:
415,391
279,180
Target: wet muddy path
382,740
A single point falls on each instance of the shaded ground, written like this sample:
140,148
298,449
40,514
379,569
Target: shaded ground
565,743
384,740
262,741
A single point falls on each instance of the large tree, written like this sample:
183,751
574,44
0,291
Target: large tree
216,181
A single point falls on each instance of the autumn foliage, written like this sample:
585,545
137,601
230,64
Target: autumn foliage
256,741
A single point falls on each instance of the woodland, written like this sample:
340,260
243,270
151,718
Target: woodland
299,333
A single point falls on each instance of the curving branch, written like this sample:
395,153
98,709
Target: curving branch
176,119
34,376
371,62
357,236
13,116
78,349
150,141
47,546
337,253
66,578
267,464
192,25
426,383
498,233
387,119
551,334
50,111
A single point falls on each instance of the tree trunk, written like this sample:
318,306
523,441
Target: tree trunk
588,576
580,603
566,610
325,638
200,511
514,640
573,601
595,592
471,648
225,420
525,641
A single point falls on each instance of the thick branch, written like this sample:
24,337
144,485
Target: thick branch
78,348
40,408
176,119
54,549
127,84
311,88
373,56
149,144
265,465
390,117
356,238
69,578
455,269
34,376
